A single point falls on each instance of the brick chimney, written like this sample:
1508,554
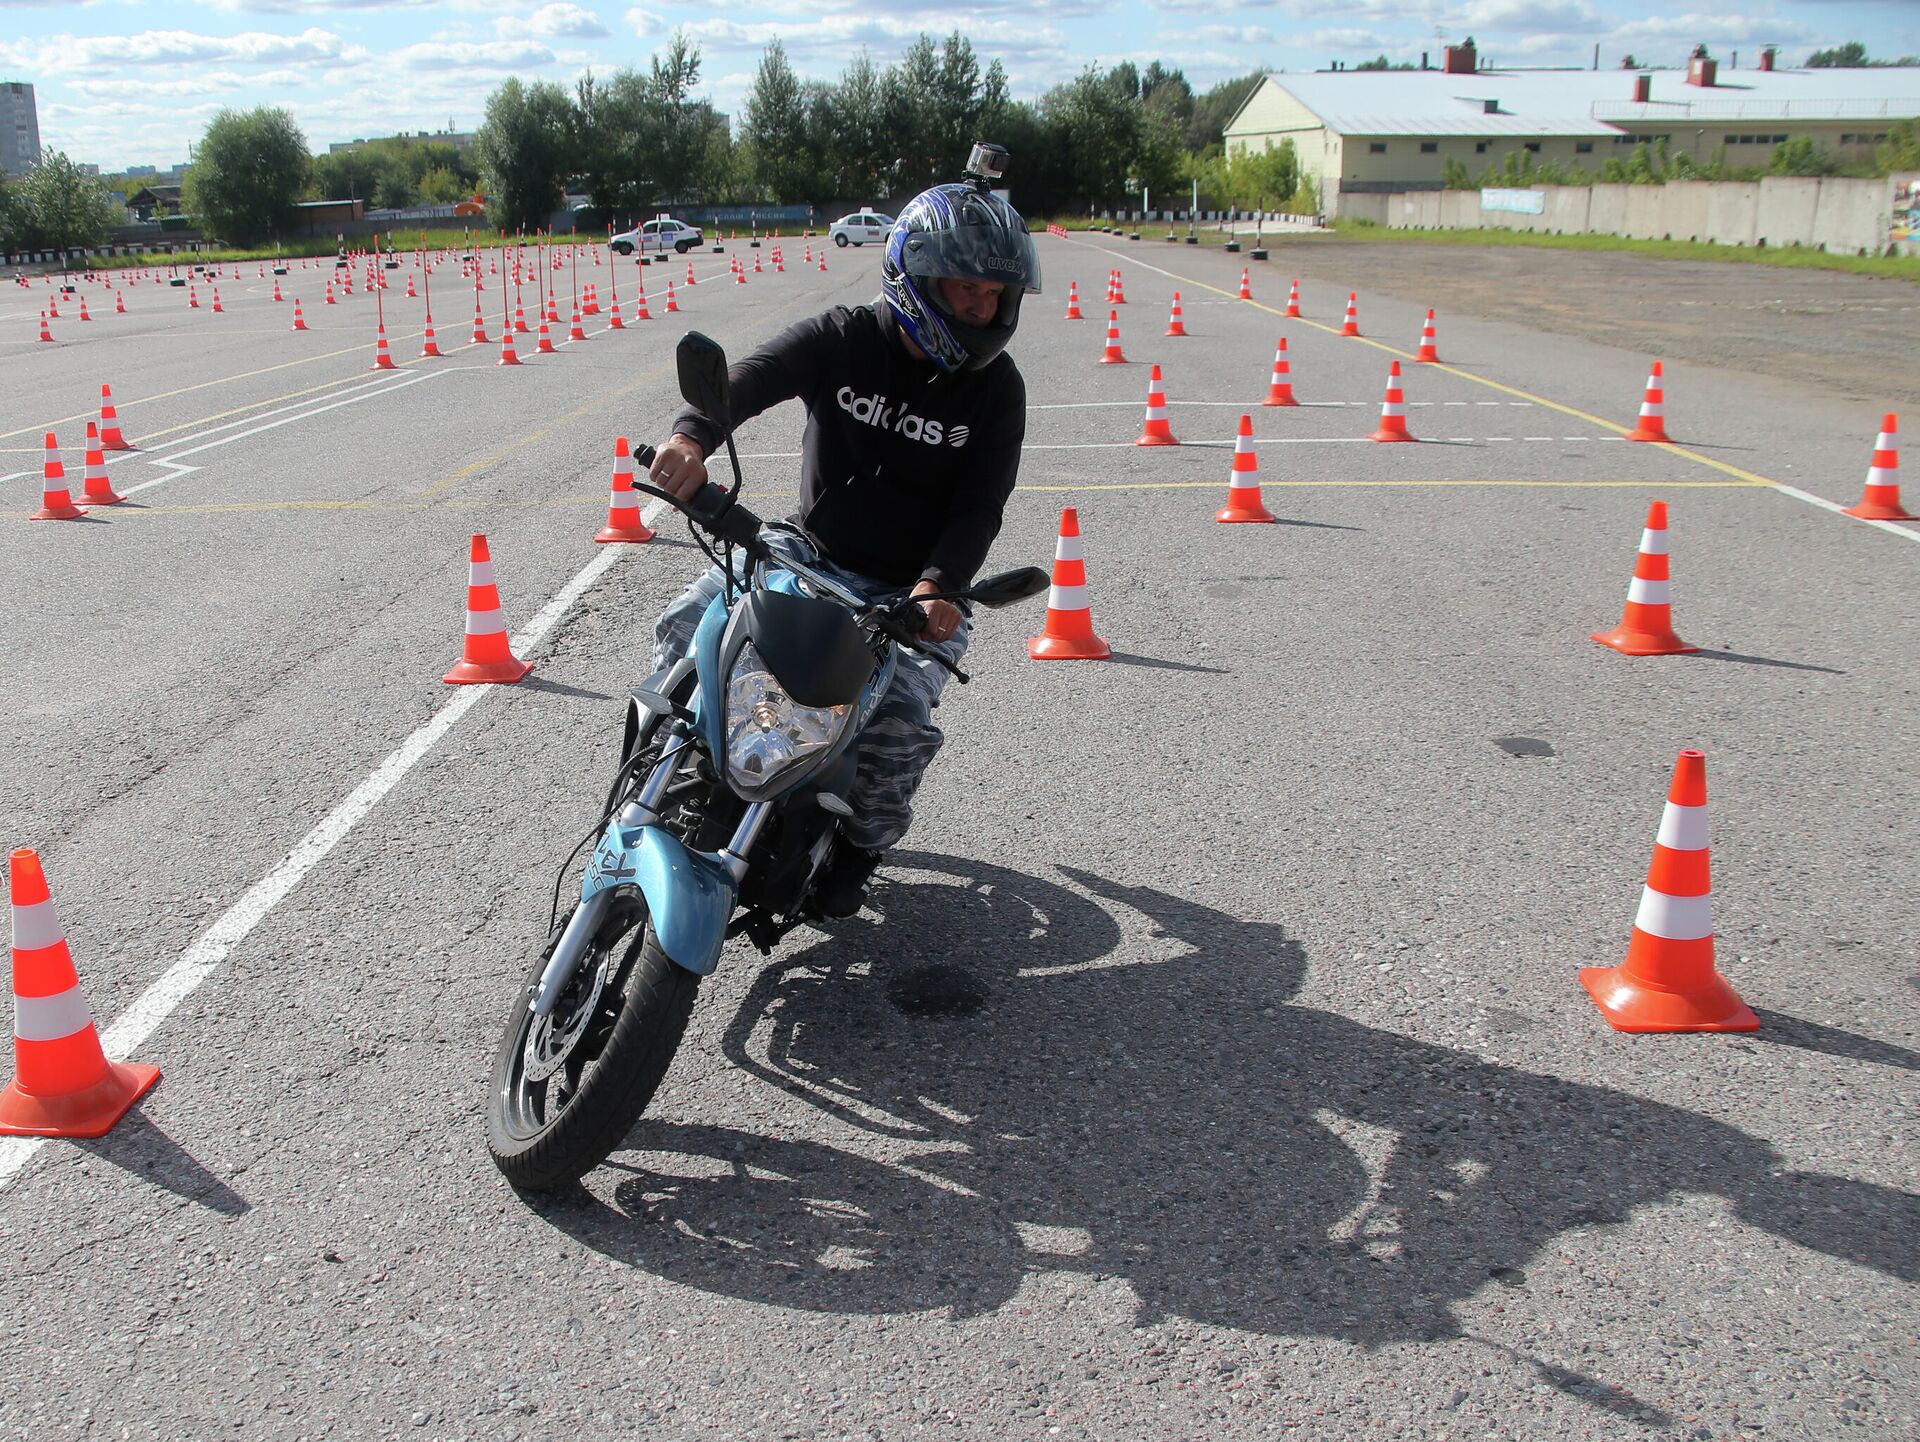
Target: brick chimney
1643,88
1766,57
1700,70
1462,59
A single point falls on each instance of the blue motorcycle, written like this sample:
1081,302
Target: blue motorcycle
734,771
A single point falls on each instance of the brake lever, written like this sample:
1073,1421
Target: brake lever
904,622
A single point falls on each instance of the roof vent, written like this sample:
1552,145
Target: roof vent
1700,70
1643,88
1462,59
1492,107
1766,57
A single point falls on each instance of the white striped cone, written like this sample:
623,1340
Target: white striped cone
1113,356
1668,982
1280,388
1176,323
1429,352
1393,410
623,506
1880,501
96,489
1243,487
487,656
1653,409
1293,301
1073,301
1646,626
1069,634
382,358
1351,325
672,304
1119,288
429,345
1158,432
299,320
56,500
479,322
63,1084
1246,283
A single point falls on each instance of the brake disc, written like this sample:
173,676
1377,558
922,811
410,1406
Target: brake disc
552,1038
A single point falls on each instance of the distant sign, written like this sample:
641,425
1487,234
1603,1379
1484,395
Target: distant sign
1904,237
1521,202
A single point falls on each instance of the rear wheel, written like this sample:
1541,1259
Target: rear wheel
566,1087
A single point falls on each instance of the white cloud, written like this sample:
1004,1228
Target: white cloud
1232,35
646,23
558,21
464,55
1531,18
66,54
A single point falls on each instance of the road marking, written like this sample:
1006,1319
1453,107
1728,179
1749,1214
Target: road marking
1311,485
1522,397
207,951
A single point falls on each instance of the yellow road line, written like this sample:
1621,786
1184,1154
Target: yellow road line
1745,477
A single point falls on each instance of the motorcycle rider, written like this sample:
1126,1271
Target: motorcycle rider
915,419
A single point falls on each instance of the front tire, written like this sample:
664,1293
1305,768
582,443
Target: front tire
567,1088
841,241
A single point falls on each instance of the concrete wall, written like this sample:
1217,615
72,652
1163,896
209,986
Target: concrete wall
1843,215
1787,206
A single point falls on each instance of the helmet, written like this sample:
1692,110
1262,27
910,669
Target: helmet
957,232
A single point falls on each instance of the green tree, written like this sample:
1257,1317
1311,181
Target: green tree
1851,56
1901,149
774,126
1206,126
58,206
441,186
249,171
1802,155
525,150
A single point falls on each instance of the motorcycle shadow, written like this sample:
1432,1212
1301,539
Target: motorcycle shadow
1058,1092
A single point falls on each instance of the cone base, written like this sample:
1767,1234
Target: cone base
107,445
89,1112
1879,511
1426,360
1113,360
1068,648
1631,1005
1290,313
509,359
1659,436
1280,401
1166,440
1384,435
1629,642
635,535
1345,330
109,499
427,352
385,363
67,512
1074,315
1181,332
1228,515
480,673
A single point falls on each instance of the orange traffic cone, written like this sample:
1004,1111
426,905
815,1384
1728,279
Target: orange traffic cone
1157,431
1073,301
96,489
1243,487
1653,409
508,355
331,298
1069,630
640,306
1393,410
218,309
410,291
479,322
576,331
623,507
63,1085
487,655
45,334
83,309
1668,981
1113,356
1246,283
589,299
739,271
1881,499
276,292
1351,326
1176,324
545,346
823,260
1646,629
429,346
382,358
193,297
1293,301
690,279
613,319
56,501
1119,288
299,320
110,437
119,303
1280,388
1429,352
672,305
519,319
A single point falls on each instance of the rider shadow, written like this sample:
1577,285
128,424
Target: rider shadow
1172,1120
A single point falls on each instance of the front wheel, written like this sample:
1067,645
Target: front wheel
841,241
622,247
566,1087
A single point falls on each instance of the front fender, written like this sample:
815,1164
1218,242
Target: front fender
689,894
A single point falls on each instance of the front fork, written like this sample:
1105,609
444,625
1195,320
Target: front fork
689,894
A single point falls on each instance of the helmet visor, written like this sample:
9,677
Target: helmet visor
973,252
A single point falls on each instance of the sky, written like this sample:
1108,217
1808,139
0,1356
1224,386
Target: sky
126,82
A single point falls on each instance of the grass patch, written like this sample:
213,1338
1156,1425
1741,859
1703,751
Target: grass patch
1899,267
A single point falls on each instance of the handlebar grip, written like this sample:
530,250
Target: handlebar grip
643,455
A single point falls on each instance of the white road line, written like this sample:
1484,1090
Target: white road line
1839,510
133,1026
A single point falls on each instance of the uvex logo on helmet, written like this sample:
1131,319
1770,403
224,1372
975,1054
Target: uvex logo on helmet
997,262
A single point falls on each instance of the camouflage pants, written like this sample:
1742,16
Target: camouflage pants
893,753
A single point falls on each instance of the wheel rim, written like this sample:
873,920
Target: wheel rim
553,1054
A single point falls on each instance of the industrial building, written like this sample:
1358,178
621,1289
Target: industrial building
1372,131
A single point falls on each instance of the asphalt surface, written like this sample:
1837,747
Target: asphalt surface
1211,1060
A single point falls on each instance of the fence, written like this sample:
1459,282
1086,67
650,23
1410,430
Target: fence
1846,216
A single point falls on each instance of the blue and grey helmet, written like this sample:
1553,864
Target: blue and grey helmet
957,232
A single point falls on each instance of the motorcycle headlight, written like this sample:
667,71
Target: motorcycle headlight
767,730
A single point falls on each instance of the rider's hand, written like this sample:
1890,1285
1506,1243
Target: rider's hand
679,467
943,617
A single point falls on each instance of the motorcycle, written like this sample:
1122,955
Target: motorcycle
735,765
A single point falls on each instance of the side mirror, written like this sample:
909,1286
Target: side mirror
702,365
1010,586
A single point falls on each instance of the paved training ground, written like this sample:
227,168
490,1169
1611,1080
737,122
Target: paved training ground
1212,1060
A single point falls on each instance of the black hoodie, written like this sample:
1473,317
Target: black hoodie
905,470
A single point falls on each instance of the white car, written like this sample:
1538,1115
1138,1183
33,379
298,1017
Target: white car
860,227
657,237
